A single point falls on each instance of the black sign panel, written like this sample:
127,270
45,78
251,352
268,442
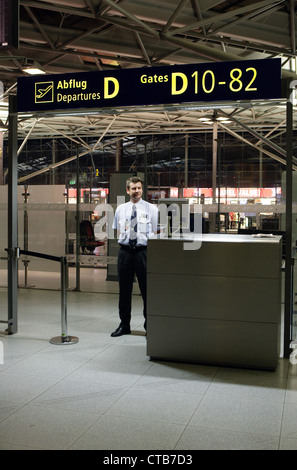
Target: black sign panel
217,81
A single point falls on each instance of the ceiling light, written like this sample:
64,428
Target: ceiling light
223,120
207,120
32,67
33,70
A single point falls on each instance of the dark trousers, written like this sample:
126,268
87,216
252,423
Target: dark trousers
131,263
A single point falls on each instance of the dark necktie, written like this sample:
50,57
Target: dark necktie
133,228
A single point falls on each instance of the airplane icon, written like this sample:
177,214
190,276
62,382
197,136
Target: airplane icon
44,92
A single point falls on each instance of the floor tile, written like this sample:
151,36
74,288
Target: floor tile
44,428
221,411
200,438
289,428
126,433
73,394
111,372
287,443
171,407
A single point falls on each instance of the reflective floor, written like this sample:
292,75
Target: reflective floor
105,393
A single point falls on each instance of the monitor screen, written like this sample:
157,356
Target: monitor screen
9,23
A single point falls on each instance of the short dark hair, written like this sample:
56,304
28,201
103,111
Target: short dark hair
133,179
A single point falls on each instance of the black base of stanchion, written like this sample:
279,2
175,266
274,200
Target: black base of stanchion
64,340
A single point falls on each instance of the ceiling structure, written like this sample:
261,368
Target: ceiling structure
90,35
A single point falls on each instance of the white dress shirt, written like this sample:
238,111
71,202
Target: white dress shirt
147,221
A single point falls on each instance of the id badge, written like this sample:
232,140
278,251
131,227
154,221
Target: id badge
143,218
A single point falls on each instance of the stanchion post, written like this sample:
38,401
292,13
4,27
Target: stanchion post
64,338
63,299
12,220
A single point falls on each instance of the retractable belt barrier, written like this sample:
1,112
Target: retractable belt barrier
64,338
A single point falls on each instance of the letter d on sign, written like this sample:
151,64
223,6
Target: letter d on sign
116,86
184,80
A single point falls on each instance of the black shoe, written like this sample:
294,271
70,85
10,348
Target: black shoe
120,331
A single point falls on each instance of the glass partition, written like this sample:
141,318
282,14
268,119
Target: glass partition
47,225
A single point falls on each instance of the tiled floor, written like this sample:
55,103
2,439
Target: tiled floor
104,393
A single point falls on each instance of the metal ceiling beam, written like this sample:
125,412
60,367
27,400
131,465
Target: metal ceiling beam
27,137
266,9
263,47
143,49
90,5
57,8
67,136
239,137
123,23
257,135
214,54
38,26
105,45
201,49
93,55
282,123
199,14
133,18
80,36
104,133
63,162
293,26
174,15
222,16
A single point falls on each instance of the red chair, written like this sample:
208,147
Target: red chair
87,238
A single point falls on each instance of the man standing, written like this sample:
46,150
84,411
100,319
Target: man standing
136,221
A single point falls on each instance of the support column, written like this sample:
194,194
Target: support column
119,152
260,168
186,160
213,215
77,221
1,159
214,160
53,171
12,223
145,173
288,252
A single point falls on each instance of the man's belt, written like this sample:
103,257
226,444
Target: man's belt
136,248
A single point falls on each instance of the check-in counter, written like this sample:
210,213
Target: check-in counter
219,304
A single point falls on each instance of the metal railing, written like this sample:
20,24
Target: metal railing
64,338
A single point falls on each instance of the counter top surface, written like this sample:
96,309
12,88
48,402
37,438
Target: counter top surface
223,237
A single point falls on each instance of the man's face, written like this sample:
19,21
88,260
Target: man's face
135,191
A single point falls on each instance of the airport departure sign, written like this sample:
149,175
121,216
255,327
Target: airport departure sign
203,82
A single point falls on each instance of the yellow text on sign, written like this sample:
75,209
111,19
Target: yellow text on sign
180,82
111,87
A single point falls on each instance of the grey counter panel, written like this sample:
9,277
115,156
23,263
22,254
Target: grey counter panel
215,258
223,343
214,297
220,304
